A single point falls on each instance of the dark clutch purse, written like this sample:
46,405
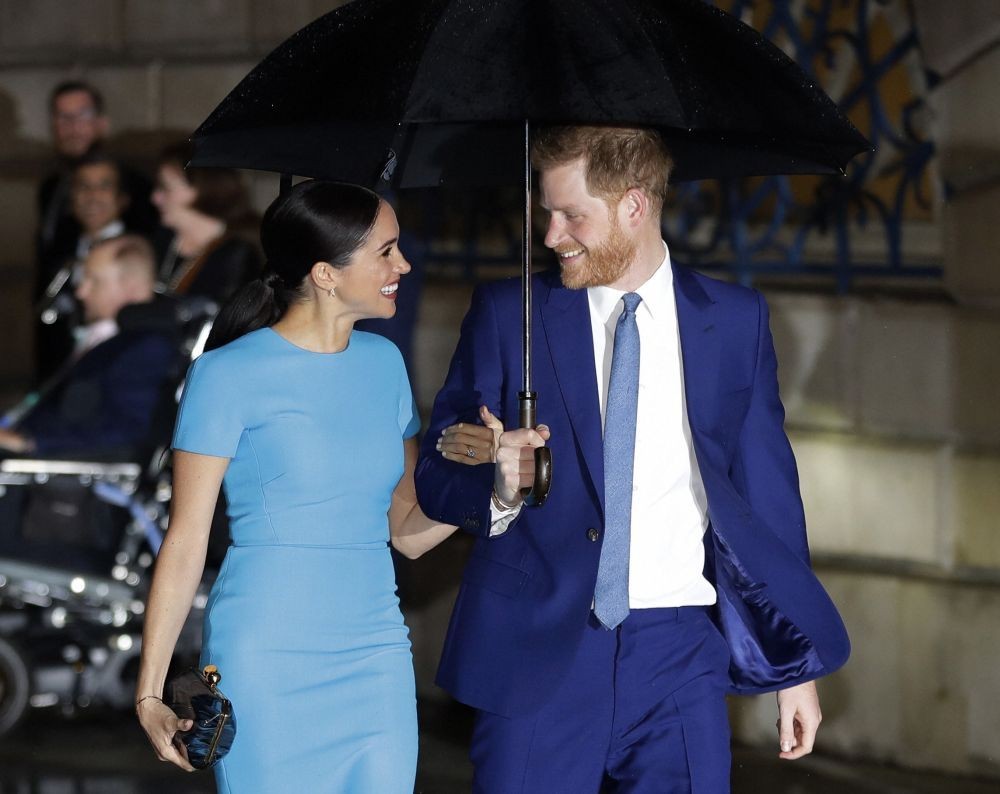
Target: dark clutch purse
195,696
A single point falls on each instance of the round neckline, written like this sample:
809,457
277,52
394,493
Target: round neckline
291,344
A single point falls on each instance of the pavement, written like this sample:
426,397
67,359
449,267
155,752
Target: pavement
106,753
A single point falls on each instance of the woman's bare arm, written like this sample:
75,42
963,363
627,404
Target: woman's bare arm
179,567
412,532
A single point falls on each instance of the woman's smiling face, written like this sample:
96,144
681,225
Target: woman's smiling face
368,285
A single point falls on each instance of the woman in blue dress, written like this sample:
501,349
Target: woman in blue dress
310,426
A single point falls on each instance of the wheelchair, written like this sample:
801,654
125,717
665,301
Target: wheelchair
75,568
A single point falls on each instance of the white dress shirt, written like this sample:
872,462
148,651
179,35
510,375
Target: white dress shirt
669,507
85,242
91,335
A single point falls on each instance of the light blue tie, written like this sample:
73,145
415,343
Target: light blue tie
611,592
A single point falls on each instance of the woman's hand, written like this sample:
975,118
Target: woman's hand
513,452
472,444
160,724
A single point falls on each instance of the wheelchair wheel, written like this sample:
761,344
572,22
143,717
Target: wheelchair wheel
15,686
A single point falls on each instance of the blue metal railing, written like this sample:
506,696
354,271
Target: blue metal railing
842,208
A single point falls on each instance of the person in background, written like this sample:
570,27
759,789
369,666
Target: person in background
211,251
104,397
79,126
98,200
97,204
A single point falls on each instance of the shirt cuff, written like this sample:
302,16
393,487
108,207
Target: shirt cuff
500,519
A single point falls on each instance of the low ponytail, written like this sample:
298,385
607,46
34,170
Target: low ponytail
259,304
313,222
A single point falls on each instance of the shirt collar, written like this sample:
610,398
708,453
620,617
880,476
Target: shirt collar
85,243
657,293
91,335
113,229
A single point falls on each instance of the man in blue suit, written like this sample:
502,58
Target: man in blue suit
102,401
598,634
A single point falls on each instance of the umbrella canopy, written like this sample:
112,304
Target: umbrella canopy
409,93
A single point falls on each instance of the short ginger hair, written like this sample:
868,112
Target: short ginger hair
616,159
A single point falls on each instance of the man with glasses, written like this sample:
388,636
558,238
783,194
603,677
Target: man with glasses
79,126
78,123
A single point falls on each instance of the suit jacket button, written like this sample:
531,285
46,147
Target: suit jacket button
593,535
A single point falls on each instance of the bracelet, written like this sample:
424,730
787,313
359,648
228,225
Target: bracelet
147,697
500,504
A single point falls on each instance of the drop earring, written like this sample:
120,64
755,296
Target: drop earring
333,292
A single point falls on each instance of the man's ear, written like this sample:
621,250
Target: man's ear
634,207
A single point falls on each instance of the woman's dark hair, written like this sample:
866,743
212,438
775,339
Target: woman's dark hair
222,192
313,222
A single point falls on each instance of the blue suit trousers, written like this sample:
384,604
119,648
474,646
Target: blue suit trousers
641,710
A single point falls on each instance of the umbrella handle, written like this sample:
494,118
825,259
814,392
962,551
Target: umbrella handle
536,494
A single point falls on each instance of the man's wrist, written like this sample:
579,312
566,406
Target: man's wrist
502,505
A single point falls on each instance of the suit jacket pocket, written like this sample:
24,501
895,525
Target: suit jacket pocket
498,577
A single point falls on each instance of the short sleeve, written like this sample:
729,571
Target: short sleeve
209,421
409,416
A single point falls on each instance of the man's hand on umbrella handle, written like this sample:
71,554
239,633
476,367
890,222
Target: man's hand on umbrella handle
515,460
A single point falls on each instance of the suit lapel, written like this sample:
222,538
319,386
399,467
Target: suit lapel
565,320
700,348
565,316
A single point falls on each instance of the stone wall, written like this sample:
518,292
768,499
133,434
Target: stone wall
962,46
894,412
893,409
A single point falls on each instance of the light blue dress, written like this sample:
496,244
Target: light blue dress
303,621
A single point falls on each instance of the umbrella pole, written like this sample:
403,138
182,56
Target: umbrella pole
527,398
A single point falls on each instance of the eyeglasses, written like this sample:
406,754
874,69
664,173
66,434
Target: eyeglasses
72,118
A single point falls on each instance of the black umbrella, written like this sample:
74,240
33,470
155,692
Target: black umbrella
408,93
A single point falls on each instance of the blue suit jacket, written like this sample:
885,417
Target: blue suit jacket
526,595
105,402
